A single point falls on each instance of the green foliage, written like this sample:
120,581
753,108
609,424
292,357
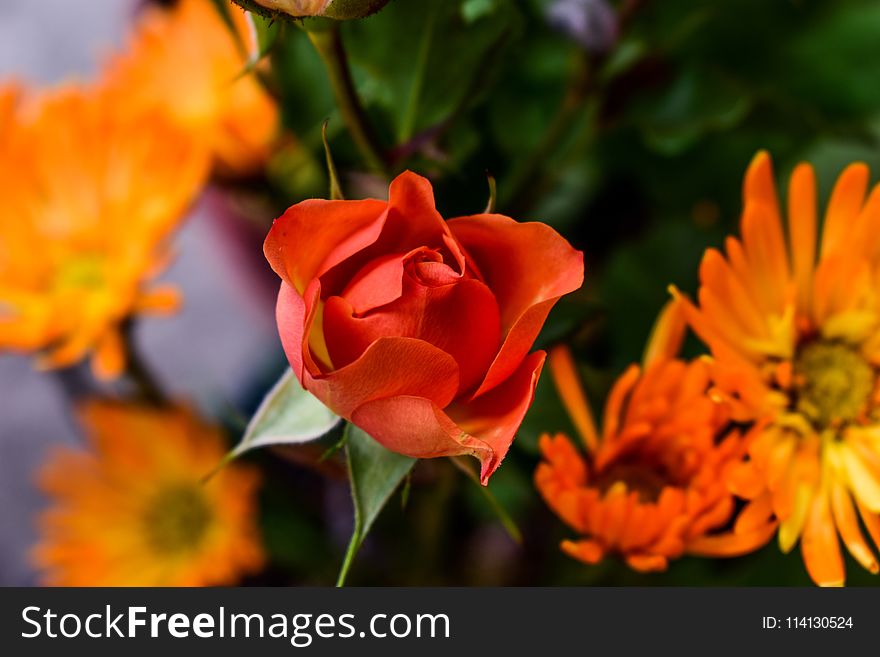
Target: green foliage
374,474
435,59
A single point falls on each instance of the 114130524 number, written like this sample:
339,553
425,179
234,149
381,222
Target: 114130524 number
819,622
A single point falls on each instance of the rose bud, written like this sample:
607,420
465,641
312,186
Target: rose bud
416,329
337,9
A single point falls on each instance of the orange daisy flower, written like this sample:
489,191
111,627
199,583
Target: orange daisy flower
186,60
134,511
792,318
87,200
650,487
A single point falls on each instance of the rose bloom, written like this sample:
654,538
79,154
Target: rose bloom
792,318
649,488
134,510
416,329
186,61
88,199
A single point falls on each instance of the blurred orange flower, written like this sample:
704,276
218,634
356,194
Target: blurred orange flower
9,95
793,323
650,488
187,61
87,200
133,510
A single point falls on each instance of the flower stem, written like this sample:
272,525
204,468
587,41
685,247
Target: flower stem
146,383
349,559
328,43
526,181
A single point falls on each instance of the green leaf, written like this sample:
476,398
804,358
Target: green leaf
306,97
288,415
408,121
374,473
474,10
424,62
825,62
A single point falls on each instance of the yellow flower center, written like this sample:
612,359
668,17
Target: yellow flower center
177,519
84,272
833,382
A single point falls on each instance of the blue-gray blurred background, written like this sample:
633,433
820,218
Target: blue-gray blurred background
45,43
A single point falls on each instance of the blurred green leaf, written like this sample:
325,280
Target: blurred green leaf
537,70
421,80
306,96
699,101
473,10
827,63
374,473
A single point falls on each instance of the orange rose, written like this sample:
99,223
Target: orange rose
416,329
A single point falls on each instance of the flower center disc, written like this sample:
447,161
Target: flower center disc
833,383
83,272
647,470
645,480
177,519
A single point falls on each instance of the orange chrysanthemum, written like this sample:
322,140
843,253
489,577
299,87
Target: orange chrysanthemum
187,61
87,200
650,488
793,323
134,511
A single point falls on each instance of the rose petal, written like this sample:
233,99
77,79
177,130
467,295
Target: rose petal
528,267
416,427
295,317
411,222
460,319
314,236
495,416
389,367
381,281
485,428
